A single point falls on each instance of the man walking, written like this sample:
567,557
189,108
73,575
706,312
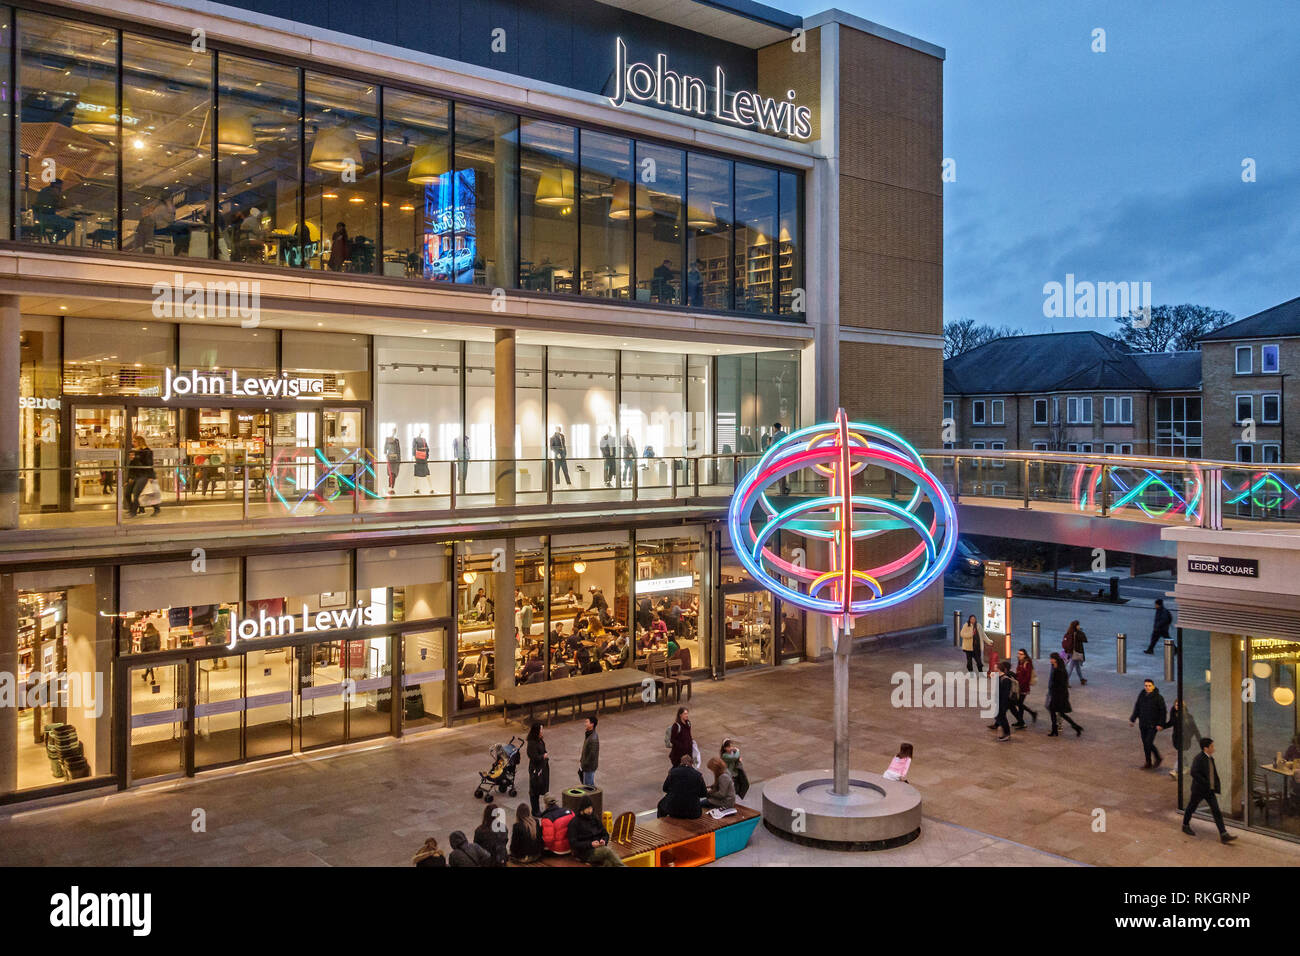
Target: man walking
1160,629
589,759
1149,714
560,452
1205,784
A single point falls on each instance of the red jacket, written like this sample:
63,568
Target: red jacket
1025,676
555,829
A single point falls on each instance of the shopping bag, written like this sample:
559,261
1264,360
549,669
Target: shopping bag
152,494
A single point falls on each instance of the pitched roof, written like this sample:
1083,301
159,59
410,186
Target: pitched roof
1058,361
1280,320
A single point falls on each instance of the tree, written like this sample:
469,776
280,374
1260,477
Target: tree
965,334
1169,328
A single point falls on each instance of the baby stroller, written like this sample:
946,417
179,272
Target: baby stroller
505,761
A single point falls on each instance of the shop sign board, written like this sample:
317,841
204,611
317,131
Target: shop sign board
1232,567
664,87
655,585
196,383
287,625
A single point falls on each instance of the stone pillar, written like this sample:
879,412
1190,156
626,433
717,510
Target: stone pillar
10,331
505,496
90,655
9,669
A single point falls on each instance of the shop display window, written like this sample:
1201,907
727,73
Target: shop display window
669,609
653,406
340,358
593,624
580,408
116,357
40,438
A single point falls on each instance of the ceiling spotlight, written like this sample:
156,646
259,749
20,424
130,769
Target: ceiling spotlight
579,567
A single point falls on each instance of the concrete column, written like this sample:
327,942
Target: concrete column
1225,720
10,330
504,419
9,668
90,652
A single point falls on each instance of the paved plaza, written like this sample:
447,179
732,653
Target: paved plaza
1031,801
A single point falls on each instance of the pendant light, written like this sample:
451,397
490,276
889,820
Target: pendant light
96,112
235,133
579,567
621,207
335,150
555,188
428,165
702,217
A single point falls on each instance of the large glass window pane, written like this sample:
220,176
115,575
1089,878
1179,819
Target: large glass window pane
342,187
39,416
419,221
590,618
580,412
777,398
606,235
548,224
668,597
6,119
166,155
660,185
418,395
755,231
708,232
340,358
480,413
258,147
654,402
485,198
68,114
252,351
790,239
530,418
1274,731
106,357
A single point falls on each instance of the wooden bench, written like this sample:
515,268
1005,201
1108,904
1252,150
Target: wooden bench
574,690
668,841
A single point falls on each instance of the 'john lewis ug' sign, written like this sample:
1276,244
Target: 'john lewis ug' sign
660,85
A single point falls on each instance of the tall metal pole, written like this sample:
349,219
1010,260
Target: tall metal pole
841,666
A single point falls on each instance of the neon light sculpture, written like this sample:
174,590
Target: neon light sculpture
837,452
1145,489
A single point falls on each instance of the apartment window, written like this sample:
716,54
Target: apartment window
1071,410
1078,411
1109,412
1040,411
1243,359
1178,426
998,446
997,411
1072,446
1125,448
1086,448
1040,446
947,411
1245,452
1270,454
1245,405
1108,448
998,489
1268,358
977,412
1270,412
977,445
1126,410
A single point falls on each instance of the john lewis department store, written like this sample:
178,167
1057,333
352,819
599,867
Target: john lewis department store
341,277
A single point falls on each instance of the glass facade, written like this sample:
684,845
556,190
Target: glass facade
229,157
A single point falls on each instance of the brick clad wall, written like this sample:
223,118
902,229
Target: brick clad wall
891,197
1220,384
781,69
895,386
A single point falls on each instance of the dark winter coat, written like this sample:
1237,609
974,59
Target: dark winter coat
526,843
1150,710
683,790
539,767
1163,619
494,841
1025,677
589,761
464,853
1205,776
584,831
1058,690
682,743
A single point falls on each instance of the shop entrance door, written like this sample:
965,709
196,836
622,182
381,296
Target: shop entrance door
747,627
243,707
98,437
346,692
426,697
159,722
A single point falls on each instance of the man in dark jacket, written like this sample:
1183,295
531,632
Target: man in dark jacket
464,853
1205,784
589,759
1160,629
589,838
1149,714
684,788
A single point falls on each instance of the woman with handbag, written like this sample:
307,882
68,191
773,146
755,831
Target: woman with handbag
140,471
1072,644
973,640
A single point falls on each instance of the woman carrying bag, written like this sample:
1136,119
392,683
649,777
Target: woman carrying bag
973,641
143,489
1072,644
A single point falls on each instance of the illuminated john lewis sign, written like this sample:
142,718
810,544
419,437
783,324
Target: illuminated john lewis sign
658,84
195,383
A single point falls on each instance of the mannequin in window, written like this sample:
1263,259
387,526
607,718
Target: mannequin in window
460,449
609,452
629,457
393,454
420,451
560,454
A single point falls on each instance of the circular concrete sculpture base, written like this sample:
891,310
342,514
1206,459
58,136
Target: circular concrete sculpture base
877,814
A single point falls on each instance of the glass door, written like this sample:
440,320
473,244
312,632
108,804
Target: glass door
370,688
323,696
158,428
748,626
424,679
99,433
342,428
158,721
218,711
270,677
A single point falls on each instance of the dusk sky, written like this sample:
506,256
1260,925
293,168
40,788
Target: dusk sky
1116,166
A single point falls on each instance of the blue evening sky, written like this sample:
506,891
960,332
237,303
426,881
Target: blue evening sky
1115,166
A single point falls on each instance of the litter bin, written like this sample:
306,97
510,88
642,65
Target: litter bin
573,796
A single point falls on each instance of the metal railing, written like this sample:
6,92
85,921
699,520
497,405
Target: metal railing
1201,492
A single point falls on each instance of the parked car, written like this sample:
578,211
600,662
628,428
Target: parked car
967,561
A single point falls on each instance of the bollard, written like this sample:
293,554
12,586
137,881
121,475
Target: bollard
1121,653
1037,638
1169,658
956,628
